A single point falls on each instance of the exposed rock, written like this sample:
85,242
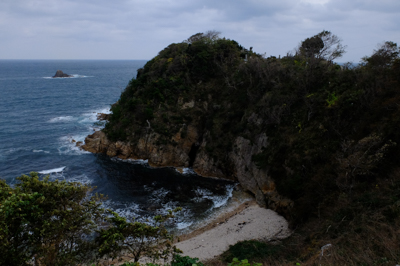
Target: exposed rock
188,105
102,117
252,178
60,74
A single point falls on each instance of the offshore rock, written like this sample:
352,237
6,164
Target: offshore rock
60,74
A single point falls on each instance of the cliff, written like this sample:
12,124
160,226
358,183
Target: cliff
293,131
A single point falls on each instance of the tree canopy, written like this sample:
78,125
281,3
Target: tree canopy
44,222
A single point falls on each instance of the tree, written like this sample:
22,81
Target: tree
45,222
324,45
49,221
137,239
384,56
210,35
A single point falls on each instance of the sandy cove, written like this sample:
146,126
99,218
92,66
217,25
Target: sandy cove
247,222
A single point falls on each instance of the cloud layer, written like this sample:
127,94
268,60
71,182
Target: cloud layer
132,29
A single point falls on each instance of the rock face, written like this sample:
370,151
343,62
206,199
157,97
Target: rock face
60,74
190,152
102,117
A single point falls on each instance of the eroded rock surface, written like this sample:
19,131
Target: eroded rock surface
190,151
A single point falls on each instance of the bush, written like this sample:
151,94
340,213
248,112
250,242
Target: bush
250,249
185,261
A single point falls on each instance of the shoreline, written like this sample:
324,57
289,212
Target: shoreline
215,221
248,221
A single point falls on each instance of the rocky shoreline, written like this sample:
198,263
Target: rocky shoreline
190,152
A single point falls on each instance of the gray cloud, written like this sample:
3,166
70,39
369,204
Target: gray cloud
133,29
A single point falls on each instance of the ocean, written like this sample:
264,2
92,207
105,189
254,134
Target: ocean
41,118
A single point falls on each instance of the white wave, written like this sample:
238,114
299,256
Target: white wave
158,195
138,161
91,117
130,210
132,161
218,200
83,179
73,76
55,170
68,145
61,119
40,151
11,150
183,225
185,171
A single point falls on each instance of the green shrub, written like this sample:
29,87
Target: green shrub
236,262
185,261
251,249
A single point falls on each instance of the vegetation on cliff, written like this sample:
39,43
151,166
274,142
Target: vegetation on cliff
332,130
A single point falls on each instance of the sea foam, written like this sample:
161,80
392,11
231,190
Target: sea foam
55,170
62,119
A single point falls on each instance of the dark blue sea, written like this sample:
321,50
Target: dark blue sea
42,117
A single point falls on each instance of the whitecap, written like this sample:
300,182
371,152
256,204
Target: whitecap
69,147
55,170
83,179
68,143
61,119
130,210
92,116
40,151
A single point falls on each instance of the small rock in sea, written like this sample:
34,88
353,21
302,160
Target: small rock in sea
60,74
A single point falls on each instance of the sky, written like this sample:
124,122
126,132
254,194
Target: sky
133,29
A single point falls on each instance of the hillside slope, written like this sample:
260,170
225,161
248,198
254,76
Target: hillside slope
297,131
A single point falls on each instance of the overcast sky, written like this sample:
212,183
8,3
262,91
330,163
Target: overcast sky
139,29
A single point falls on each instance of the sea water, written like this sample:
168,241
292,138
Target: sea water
42,118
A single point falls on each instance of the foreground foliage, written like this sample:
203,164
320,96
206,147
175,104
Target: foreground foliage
44,222
49,221
137,239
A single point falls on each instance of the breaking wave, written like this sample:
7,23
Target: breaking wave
62,119
55,170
